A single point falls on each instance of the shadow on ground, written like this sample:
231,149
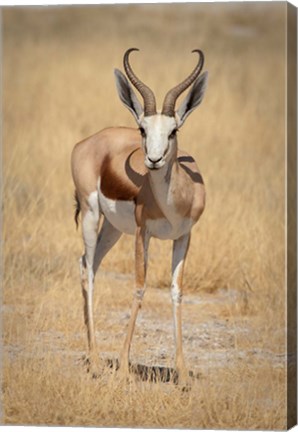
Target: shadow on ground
144,372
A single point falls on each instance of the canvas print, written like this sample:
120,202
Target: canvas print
149,215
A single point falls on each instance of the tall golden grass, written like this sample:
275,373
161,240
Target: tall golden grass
58,88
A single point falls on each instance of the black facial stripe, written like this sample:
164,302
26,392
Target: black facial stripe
166,150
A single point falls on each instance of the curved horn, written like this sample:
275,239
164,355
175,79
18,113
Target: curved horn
168,108
146,93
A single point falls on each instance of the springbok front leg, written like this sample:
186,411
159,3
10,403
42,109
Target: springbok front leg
141,258
180,248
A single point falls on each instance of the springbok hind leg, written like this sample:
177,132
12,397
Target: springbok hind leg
90,224
96,247
105,240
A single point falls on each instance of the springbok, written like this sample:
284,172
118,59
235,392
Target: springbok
143,185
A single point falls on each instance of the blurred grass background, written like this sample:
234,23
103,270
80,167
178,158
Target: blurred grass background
58,88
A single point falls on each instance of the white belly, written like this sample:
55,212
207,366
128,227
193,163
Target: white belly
121,214
164,230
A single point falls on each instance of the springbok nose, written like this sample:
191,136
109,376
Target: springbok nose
154,161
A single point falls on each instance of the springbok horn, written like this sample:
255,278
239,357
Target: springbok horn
145,91
168,108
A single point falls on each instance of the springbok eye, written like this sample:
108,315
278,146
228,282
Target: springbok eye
142,131
173,134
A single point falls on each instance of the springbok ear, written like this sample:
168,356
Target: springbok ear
193,98
127,95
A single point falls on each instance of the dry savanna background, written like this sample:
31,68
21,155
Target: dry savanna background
58,88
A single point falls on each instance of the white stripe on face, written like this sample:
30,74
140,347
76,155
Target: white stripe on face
158,128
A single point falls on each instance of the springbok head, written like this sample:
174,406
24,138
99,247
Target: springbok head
158,129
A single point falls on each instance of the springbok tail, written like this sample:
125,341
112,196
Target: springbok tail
77,208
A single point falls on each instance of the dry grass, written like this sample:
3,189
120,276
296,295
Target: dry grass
58,89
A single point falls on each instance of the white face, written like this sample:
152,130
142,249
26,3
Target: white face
159,139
